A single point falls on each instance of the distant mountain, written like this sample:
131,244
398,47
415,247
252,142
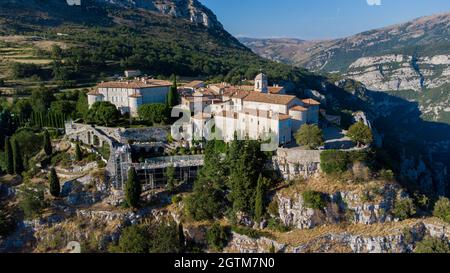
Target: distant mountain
409,56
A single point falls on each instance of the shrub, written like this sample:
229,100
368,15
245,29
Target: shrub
442,209
32,201
176,199
272,209
404,209
387,175
334,161
275,224
217,237
7,223
432,245
313,199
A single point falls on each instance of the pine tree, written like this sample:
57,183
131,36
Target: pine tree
78,153
17,158
172,97
259,199
181,237
9,160
47,144
132,189
55,188
170,175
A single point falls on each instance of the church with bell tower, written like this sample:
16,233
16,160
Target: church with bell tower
262,83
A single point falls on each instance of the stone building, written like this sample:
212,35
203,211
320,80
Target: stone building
127,96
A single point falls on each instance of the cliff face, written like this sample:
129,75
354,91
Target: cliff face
366,206
191,10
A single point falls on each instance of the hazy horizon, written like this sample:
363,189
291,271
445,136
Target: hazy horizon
323,20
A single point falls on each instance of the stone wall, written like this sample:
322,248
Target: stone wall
296,163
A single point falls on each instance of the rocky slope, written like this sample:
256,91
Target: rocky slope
408,56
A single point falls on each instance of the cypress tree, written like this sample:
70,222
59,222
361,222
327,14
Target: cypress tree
78,153
181,237
47,144
9,160
55,188
259,199
17,158
132,189
172,97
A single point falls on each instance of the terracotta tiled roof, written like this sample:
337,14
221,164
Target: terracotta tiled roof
135,84
94,92
269,98
299,108
193,84
310,102
275,89
193,99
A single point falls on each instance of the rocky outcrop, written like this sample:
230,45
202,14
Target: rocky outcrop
343,206
191,10
401,72
399,240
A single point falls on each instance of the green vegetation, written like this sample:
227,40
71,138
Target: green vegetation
17,158
149,237
309,136
78,152
7,222
259,199
360,133
432,245
154,113
442,209
314,200
337,162
103,113
404,209
173,98
31,201
217,237
171,181
132,189
55,187
9,156
47,144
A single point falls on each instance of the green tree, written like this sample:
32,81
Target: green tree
442,209
309,136
313,200
78,152
82,106
55,187
432,245
171,181
103,113
47,143
9,158
17,158
154,113
404,209
132,189
206,201
360,134
217,237
165,239
172,97
134,239
259,199
7,223
244,172
31,201
181,237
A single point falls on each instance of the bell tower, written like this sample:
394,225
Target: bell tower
261,83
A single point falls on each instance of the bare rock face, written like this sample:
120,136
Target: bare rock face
191,10
353,207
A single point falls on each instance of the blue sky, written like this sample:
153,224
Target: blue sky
317,19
